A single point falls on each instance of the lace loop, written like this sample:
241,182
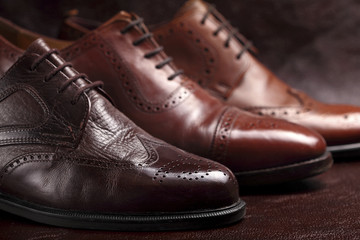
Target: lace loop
211,8
42,58
153,53
131,25
56,70
70,81
83,89
142,38
174,75
232,33
163,63
247,46
147,35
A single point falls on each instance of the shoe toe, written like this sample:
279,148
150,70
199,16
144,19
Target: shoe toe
338,124
256,142
191,183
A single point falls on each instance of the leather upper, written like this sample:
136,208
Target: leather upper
243,81
179,111
85,155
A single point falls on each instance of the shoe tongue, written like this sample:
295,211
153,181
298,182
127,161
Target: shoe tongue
192,6
38,47
122,16
82,26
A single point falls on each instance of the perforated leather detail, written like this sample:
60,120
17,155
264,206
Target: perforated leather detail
188,168
208,58
280,111
221,137
21,160
66,157
129,87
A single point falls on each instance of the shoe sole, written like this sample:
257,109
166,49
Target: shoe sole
345,151
124,222
286,173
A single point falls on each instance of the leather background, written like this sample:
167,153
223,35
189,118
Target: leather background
313,45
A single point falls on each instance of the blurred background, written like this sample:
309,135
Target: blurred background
312,45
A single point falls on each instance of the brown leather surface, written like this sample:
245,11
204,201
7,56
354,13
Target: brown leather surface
76,146
325,207
296,36
312,45
177,110
220,63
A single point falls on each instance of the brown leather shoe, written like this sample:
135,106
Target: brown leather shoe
157,97
211,52
71,159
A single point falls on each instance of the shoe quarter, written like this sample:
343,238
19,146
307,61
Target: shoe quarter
33,110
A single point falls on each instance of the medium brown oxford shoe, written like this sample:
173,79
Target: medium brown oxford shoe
149,89
217,57
212,53
69,158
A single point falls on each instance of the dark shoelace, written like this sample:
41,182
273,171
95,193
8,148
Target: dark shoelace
70,80
147,35
233,32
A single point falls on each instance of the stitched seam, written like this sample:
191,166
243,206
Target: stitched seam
32,92
174,99
279,111
153,155
222,133
100,164
39,128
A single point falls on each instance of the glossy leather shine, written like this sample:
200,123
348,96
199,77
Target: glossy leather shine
86,156
179,111
243,81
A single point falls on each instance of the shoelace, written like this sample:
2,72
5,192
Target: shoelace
233,32
70,80
147,35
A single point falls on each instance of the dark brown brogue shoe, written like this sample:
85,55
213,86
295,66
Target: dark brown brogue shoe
69,158
148,88
211,52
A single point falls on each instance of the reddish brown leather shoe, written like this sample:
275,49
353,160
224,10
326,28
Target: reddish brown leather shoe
71,159
211,52
153,93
